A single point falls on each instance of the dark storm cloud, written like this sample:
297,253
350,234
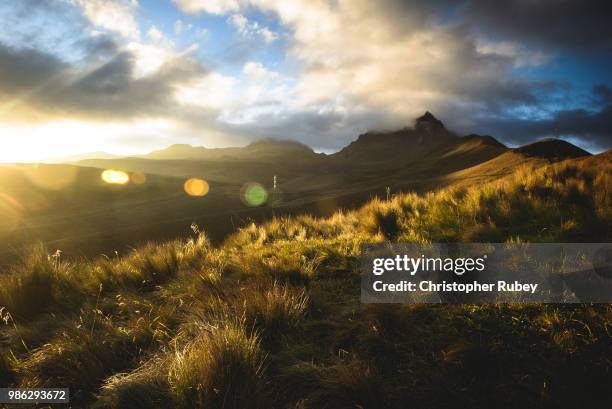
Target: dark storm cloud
594,129
107,89
24,70
576,24
602,94
560,24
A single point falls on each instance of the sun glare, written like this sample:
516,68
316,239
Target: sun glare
59,139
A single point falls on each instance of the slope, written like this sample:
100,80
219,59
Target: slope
278,304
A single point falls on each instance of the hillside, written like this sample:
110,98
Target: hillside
272,318
417,158
552,149
261,150
79,214
71,208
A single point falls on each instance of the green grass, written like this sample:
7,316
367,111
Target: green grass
272,318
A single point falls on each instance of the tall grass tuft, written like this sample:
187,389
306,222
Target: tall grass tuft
144,388
38,284
222,368
275,310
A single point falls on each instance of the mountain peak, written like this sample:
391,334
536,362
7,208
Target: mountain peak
428,123
427,116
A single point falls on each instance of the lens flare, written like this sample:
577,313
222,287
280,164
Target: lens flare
115,177
254,194
52,177
196,187
138,177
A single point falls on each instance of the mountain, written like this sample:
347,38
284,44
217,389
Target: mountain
552,149
61,204
181,151
401,146
417,158
267,149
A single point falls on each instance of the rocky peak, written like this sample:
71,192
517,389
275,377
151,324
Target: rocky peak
429,123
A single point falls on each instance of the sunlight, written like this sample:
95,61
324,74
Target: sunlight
51,177
22,142
10,213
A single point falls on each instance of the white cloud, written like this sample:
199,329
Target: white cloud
268,35
113,15
209,6
521,56
386,59
257,72
154,34
214,91
180,26
250,29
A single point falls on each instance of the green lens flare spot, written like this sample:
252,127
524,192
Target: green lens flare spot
255,194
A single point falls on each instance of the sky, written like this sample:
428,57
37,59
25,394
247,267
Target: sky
130,76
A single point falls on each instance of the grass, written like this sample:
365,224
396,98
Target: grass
222,367
272,319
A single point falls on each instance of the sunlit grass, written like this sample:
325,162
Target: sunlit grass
272,318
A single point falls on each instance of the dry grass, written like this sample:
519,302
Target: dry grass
272,317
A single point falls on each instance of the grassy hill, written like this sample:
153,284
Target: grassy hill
73,209
271,318
69,207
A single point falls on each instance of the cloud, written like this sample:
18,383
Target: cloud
372,61
35,81
250,29
579,25
113,15
602,94
592,128
209,6
342,68
180,26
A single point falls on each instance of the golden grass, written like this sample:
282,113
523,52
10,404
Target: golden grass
271,318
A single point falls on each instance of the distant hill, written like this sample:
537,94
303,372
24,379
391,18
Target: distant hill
552,149
268,149
417,158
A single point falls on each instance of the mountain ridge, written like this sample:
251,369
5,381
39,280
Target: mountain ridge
396,147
